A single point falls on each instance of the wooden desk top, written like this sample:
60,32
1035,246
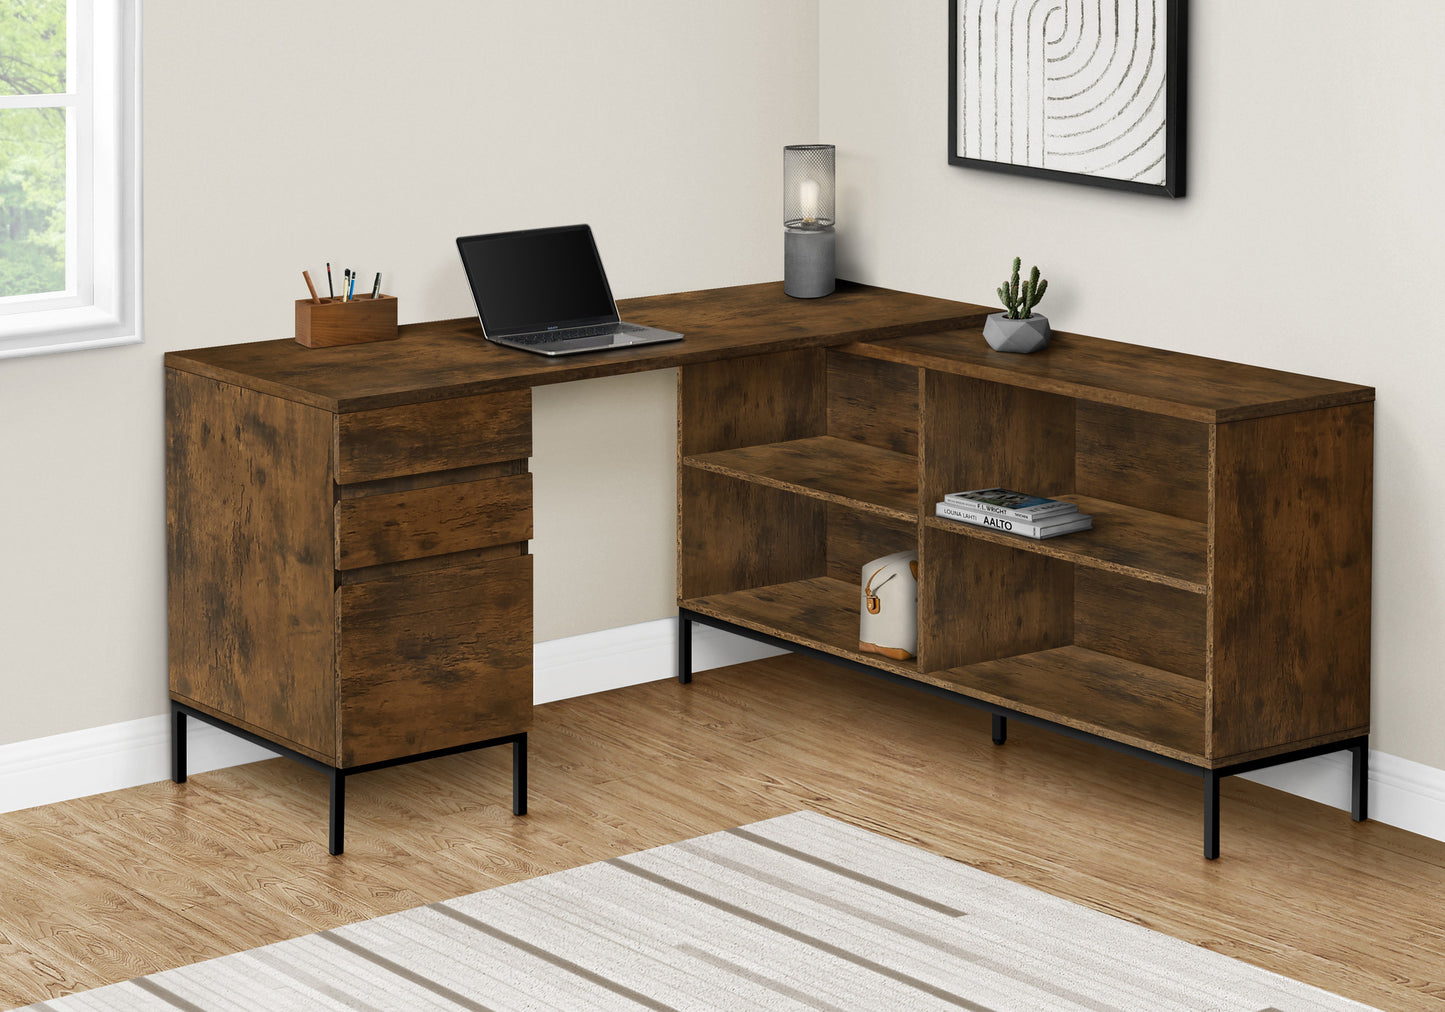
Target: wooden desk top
1127,375
450,358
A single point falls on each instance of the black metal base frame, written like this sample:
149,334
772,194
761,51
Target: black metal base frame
336,775
1358,747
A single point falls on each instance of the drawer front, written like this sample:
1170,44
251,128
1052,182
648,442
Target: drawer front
433,660
419,523
435,436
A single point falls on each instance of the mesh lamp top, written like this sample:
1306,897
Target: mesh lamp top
808,186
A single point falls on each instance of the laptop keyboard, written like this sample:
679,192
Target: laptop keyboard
553,336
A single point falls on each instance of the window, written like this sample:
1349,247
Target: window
69,175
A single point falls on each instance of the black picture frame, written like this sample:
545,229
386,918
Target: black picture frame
1135,97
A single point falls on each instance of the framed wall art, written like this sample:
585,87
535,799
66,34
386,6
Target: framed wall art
1088,91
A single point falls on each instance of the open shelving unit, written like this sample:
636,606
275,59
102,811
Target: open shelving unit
1216,617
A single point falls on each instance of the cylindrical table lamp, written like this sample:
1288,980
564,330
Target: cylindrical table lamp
808,239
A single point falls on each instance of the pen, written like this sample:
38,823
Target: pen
346,285
351,286
314,296
376,285
329,289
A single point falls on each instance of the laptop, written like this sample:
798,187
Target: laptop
544,290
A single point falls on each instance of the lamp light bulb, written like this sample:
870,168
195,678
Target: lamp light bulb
808,197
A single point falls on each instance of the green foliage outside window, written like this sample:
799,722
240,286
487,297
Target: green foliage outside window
32,148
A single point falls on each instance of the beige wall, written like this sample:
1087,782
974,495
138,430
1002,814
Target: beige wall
1313,214
1309,241
372,134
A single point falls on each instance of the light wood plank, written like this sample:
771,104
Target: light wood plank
1299,888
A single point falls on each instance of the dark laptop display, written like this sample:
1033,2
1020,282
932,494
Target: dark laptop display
544,290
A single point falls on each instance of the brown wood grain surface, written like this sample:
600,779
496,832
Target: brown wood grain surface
873,402
820,612
1117,699
439,520
432,660
433,436
1155,625
249,557
1127,375
1136,543
978,434
978,600
331,322
1141,459
1291,549
751,401
735,534
103,888
826,467
855,538
450,358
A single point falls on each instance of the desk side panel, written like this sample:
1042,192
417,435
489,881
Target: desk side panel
249,558
1290,580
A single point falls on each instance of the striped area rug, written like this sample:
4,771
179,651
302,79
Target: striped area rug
798,912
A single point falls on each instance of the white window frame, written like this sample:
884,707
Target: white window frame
101,306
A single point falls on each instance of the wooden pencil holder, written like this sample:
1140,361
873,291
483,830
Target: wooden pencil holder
332,322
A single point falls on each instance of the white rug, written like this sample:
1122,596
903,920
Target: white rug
798,912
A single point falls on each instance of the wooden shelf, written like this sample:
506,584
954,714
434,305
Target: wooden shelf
1108,372
825,467
1132,542
821,613
1217,613
1125,701
1114,698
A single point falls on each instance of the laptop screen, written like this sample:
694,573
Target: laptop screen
538,279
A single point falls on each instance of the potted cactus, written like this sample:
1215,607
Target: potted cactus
1020,329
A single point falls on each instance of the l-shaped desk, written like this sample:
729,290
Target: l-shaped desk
349,583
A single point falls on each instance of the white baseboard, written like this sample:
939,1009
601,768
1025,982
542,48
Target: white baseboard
1405,794
646,652
43,771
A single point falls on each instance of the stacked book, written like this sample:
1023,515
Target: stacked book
1003,509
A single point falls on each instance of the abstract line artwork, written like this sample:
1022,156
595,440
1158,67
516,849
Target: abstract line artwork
1090,91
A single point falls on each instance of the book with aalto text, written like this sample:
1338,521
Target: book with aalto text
1050,527
1008,503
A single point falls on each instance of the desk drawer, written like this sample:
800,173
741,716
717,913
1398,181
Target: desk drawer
419,523
432,660
433,436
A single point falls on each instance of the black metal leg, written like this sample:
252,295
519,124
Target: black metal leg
519,775
178,744
1360,793
1211,814
338,809
1000,729
684,649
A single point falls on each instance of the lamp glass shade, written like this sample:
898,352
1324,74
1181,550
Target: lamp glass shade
808,186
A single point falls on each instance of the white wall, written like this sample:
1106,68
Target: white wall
1309,241
287,137
371,134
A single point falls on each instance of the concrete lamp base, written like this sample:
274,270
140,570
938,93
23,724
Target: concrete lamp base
808,262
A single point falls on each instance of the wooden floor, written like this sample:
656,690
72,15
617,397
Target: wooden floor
113,886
